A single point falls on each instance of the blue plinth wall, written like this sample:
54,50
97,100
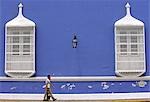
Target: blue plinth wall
75,87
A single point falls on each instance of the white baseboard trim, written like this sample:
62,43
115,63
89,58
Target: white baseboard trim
79,78
100,96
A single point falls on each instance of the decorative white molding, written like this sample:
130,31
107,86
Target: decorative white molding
126,50
78,78
20,20
128,19
101,96
16,62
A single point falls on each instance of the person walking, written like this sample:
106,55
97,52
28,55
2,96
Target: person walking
48,91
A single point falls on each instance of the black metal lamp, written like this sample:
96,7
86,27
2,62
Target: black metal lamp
74,42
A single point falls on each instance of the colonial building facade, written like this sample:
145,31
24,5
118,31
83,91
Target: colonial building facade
98,47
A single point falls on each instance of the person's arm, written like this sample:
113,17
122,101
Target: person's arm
51,84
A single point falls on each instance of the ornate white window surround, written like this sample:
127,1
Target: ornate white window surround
129,46
20,46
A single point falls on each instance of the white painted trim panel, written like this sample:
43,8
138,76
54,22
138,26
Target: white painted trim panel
79,78
101,96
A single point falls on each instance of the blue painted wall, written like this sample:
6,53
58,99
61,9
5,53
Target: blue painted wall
91,20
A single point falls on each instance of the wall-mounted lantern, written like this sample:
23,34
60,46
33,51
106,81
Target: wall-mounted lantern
74,42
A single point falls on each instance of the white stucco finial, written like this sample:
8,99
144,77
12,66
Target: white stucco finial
127,5
20,5
20,9
128,9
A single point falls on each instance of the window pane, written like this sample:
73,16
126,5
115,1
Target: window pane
123,39
26,48
133,39
15,33
15,39
26,32
15,49
133,32
123,49
123,46
26,39
140,30
134,49
123,32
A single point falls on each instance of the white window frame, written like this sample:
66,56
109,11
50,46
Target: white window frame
22,65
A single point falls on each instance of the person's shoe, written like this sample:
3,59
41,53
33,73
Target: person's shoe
54,99
45,100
